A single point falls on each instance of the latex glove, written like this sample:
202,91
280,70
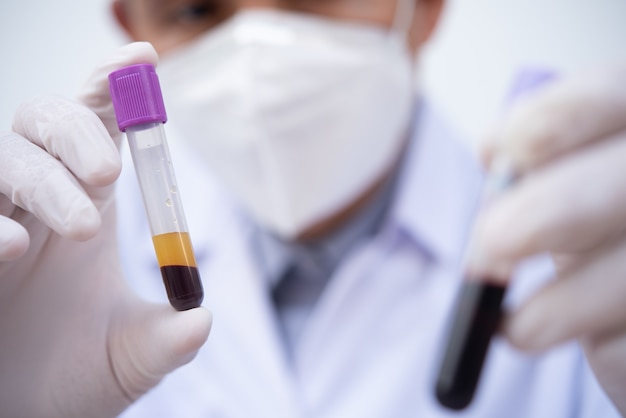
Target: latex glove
75,342
569,143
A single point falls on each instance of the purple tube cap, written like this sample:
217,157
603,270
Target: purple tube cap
136,96
530,80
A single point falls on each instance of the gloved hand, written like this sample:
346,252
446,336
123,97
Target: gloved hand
569,143
75,341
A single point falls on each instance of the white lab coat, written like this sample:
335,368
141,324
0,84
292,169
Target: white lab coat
373,343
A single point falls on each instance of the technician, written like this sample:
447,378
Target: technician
329,207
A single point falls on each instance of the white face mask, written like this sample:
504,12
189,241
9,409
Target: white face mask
297,115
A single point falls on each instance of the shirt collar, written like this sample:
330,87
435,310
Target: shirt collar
438,190
321,257
432,201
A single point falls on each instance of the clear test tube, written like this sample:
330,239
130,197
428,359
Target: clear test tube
479,307
475,320
140,112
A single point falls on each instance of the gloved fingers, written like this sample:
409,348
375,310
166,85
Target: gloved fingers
73,134
40,184
95,92
561,118
14,239
146,347
587,301
572,205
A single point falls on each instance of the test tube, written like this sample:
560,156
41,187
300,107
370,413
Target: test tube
479,307
140,113
474,322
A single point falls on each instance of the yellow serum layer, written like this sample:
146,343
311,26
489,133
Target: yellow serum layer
174,249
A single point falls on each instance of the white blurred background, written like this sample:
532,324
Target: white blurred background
49,47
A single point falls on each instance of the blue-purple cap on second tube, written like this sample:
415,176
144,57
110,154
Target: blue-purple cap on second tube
136,96
529,80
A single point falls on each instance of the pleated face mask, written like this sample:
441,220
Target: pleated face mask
297,115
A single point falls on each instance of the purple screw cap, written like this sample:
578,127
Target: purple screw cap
529,80
136,96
